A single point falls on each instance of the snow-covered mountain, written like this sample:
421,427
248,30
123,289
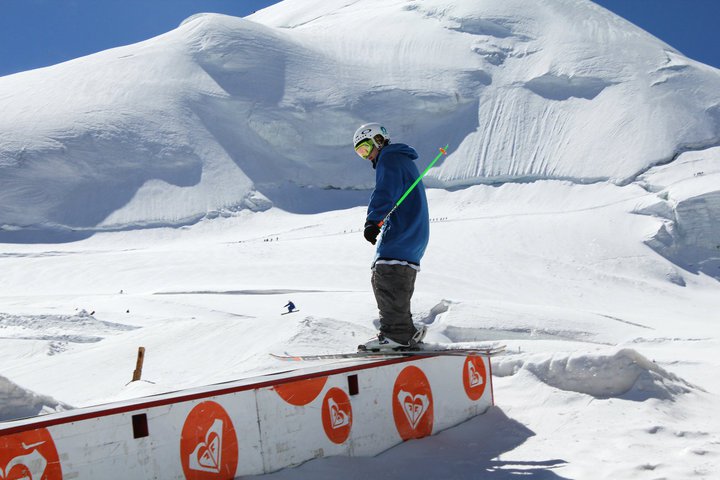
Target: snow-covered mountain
227,113
575,220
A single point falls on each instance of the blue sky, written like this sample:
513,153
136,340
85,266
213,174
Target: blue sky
37,33
690,26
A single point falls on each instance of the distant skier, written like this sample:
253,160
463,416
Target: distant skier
404,236
290,306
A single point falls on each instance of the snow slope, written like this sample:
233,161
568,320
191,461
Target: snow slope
176,193
602,335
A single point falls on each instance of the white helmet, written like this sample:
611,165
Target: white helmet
373,131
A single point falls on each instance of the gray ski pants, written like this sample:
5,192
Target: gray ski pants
393,286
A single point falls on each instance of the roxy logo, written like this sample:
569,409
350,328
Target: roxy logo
207,455
475,379
413,406
336,414
32,465
208,443
338,417
29,455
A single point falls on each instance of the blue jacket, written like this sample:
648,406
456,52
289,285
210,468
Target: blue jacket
406,233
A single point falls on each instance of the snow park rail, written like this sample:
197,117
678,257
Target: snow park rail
252,426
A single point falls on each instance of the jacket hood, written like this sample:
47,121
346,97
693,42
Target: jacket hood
393,149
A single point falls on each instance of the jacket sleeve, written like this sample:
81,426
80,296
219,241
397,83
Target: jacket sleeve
388,186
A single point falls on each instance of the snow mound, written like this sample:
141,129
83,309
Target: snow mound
17,402
327,335
59,330
625,374
435,312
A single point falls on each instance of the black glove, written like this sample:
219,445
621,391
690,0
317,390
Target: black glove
371,232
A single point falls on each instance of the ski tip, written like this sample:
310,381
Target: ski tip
444,150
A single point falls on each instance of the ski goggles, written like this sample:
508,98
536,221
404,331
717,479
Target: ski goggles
364,148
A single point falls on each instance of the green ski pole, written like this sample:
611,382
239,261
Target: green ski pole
443,151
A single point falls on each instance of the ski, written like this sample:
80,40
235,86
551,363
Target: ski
294,311
488,351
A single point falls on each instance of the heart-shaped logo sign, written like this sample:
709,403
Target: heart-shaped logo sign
412,404
339,418
29,455
208,445
208,454
474,377
337,415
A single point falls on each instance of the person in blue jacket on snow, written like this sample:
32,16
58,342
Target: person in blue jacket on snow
290,306
403,237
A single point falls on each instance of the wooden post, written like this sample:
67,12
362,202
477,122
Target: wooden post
138,367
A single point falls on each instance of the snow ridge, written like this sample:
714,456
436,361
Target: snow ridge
687,200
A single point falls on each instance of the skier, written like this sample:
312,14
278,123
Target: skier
290,306
404,235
